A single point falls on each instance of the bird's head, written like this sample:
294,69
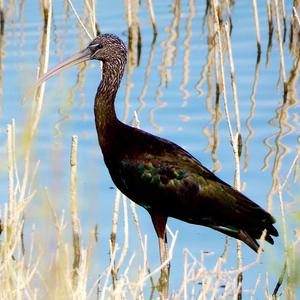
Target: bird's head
107,48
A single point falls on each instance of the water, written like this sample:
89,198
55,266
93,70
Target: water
171,103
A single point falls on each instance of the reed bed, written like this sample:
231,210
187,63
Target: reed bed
31,270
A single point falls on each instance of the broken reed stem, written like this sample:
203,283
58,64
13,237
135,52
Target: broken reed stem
74,211
281,51
256,27
152,17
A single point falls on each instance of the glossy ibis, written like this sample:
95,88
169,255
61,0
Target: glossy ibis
157,174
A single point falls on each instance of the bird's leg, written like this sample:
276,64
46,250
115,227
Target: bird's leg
159,222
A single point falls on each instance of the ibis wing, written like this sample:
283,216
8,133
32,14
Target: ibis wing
163,177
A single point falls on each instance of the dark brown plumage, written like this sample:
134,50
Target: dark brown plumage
158,174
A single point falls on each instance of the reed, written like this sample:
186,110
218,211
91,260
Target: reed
271,30
152,17
281,49
74,211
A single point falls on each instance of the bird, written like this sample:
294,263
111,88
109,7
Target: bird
158,174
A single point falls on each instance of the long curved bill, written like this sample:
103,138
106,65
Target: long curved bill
77,58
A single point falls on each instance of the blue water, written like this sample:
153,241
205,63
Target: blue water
174,110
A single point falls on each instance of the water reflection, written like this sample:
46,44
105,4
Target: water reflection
146,78
251,113
186,53
207,76
168,61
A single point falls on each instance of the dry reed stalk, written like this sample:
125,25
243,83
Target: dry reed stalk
109,270
129,17
142,242
113,235
16,173
228,15
281,50
218,269
91,7
74,212
79,20
296,15
294,31
125,244
211,280
11,195
234,90
271,30
15,273
152,18
234,138
185,275
256,27
258,280
283,19
166,262
279,282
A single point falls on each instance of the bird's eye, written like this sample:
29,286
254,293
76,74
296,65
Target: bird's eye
96,46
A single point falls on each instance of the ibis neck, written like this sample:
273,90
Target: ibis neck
104,108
